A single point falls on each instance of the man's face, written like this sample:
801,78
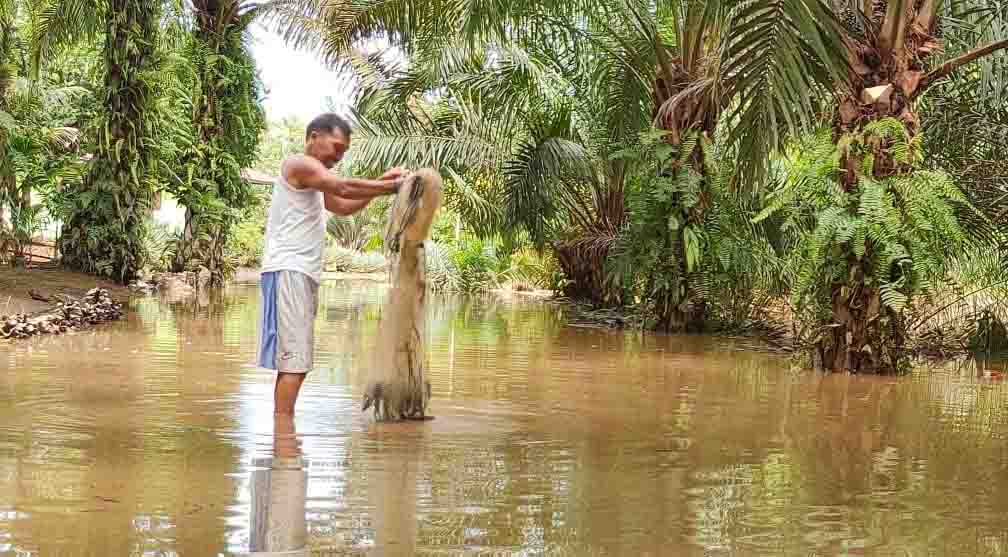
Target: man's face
328,147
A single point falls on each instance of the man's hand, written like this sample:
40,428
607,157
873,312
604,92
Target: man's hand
394,173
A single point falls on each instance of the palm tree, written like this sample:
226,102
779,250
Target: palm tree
488,106
889,46
505,133
685,64
227,120
739,74
38,137
215,84
105,227
8,73
750,72
883,47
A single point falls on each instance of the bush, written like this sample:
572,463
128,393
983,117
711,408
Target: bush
161,244
341,260
530,270
475,265
441,271
246,243
247,240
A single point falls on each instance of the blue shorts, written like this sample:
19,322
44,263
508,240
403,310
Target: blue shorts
289,304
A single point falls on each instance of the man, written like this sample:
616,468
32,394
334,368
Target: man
295,246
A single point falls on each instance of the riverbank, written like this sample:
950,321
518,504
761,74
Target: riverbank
17,286
247,276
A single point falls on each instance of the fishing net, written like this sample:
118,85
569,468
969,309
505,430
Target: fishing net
398,388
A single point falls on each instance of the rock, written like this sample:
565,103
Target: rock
143,286
38,296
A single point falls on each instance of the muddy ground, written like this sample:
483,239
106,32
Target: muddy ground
48,280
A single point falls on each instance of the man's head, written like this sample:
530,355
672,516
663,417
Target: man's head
327,139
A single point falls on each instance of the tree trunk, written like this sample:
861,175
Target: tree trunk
583,262
106,236
864,336
678,310
685,311
227,119
885,77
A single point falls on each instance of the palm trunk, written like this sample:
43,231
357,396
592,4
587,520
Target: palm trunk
7,180
682,311
584,259
583,262
107,236
863,335
227,119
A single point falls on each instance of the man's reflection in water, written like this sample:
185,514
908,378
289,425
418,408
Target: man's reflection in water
278,496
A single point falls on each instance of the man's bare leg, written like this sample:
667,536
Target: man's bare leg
285,441
285,393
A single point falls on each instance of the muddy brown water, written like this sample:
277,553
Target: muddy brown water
155,437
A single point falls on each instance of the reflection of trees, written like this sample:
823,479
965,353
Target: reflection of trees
593,441
114,455
191,376
908,466
78,415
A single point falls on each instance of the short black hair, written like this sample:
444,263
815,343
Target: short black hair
328,123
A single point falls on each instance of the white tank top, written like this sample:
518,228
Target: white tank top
295,230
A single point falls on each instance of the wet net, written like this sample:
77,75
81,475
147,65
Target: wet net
397,387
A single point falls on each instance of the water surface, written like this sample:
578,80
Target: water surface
155,437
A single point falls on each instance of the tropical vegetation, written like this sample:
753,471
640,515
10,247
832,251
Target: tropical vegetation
703,164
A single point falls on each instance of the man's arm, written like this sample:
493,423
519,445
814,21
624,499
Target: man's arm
344,207
308,173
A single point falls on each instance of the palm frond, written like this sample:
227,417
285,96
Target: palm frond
777,59
58,25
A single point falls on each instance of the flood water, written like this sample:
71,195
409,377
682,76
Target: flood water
156,437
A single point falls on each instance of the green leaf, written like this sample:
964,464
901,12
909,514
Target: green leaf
673,222
7,121
664,152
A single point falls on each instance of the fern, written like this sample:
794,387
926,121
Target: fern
903,233
690,237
